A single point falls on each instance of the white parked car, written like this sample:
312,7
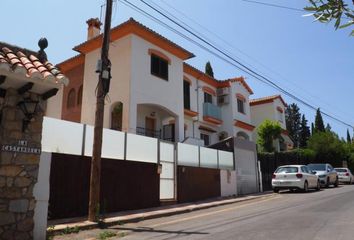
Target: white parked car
294,177
344,175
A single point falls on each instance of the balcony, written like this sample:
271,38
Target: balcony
148,132
212,113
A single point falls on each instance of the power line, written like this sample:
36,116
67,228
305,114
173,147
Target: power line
275,5
283,7
225,57
235,48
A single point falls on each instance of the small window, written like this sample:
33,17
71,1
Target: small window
240,106
208,98
205,138
117,117
280,116
159,67
71,99
186,95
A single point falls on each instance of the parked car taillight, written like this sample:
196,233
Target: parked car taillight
274,176
346,174
299,175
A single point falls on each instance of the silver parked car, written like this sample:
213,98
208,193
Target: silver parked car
345,175
326,173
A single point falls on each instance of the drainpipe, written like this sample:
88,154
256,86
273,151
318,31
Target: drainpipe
197,89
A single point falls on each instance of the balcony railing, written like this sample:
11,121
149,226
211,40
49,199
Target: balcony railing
211,110
148,132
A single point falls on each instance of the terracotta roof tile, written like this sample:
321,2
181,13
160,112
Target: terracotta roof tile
135,27
21,60
267,99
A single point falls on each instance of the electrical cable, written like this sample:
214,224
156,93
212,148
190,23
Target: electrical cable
226,57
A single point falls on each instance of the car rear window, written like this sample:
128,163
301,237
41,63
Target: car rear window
317,167
341,170
287,170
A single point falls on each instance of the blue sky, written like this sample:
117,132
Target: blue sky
309,59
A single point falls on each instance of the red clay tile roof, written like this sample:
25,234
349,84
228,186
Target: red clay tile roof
267,99
132,26
21,60
243,82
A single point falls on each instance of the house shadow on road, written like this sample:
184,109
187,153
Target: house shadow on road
153,230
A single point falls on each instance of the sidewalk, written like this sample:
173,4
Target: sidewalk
57,226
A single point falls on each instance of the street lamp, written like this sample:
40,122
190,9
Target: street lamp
29,108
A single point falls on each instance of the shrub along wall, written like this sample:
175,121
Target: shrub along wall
270,161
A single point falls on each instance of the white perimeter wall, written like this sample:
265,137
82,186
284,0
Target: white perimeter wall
41,194
228,183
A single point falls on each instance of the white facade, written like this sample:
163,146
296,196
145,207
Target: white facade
154,106
271,108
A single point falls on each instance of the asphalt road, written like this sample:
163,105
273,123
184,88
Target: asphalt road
328,214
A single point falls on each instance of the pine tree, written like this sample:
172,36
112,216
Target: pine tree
293,122
312,129
319,125
349,140
209,69
328,128
304,132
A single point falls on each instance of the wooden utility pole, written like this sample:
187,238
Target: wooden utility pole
102,90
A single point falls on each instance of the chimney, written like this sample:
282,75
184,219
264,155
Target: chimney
94,27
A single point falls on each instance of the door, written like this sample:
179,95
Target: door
150,127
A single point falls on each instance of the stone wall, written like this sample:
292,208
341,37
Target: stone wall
18,171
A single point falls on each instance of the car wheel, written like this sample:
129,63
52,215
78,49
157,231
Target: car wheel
276,190
318,188
306,187
336,183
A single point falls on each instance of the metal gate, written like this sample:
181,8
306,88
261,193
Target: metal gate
167,160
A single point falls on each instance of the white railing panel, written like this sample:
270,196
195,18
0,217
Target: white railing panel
88,141
226,160
141,148
167,189
188,155
167,170
113,144
208,157
61,136
167,152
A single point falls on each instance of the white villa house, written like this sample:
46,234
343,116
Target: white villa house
272,108
153,92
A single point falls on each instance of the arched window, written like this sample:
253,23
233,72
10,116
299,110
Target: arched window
117,116
79,96
71,99
242,135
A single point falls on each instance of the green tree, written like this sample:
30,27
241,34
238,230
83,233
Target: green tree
319,125
328,127
338,11
293,122
304,132
312,129
328,148
349,140
268,131
209,69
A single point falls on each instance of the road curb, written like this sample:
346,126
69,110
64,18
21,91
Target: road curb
133,218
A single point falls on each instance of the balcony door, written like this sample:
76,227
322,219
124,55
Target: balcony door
150,127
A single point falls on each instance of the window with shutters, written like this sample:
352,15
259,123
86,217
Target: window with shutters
159,67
